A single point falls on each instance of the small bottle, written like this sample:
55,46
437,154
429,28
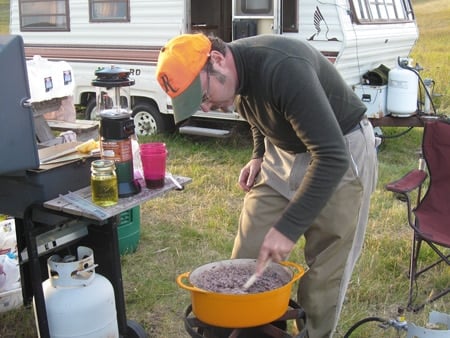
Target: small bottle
104,187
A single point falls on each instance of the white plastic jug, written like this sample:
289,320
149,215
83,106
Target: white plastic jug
402,92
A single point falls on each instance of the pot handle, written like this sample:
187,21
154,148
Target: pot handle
181,284
299,273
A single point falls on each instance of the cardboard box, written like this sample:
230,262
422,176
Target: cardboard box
375,99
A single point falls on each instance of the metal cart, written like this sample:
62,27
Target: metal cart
57,225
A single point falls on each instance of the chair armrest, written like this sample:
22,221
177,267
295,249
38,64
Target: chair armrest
409,182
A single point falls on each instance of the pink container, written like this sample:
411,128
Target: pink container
154,158
153,147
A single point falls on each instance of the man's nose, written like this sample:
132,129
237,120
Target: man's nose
205,107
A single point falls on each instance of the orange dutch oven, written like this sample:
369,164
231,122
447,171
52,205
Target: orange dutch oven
240,310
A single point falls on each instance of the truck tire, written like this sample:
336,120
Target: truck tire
149,121
91,110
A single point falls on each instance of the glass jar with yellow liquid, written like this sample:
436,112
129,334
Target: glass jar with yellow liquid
104,187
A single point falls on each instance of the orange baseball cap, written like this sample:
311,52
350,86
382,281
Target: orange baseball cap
178,72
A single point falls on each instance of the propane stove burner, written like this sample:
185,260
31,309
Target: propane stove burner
277,329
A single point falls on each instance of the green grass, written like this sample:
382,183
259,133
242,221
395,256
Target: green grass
432,49
4,16
186,229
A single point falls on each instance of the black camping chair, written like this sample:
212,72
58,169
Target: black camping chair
429,215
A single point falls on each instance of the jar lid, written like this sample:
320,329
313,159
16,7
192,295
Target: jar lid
103,164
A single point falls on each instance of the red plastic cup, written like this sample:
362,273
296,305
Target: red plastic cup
153,147
154,158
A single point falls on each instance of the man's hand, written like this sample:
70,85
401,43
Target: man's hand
275,247
249,173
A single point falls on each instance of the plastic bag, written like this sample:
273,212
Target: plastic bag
8,241
137,163
9,273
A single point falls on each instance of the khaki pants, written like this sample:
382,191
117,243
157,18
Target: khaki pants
333,242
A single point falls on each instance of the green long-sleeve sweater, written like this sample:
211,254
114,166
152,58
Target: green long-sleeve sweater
292,95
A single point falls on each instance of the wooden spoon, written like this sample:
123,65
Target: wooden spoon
253,278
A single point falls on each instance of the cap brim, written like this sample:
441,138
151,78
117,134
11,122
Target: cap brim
187,103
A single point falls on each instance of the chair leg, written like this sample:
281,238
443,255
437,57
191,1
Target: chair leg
443,257
414,272
415,248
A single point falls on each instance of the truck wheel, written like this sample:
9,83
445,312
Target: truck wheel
149,121
91,110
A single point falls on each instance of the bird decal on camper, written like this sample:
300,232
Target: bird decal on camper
321,26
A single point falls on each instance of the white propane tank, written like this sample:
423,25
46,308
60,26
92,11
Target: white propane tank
402,91
79,302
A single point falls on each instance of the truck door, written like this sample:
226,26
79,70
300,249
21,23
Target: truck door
254,17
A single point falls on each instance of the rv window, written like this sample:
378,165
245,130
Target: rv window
44,15
379,11
254,7
109,10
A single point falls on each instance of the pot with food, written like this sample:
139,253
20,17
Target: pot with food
219,298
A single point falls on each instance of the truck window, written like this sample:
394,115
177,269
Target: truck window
44,15
379,11
109,10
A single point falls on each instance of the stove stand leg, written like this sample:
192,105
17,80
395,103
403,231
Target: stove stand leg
276,329
105,243
35,272
275,332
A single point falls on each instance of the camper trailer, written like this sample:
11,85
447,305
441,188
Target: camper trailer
355,35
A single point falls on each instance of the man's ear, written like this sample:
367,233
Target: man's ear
217,58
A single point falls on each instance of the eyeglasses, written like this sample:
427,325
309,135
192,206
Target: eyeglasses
205,96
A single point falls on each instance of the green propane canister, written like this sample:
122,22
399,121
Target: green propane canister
129,230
